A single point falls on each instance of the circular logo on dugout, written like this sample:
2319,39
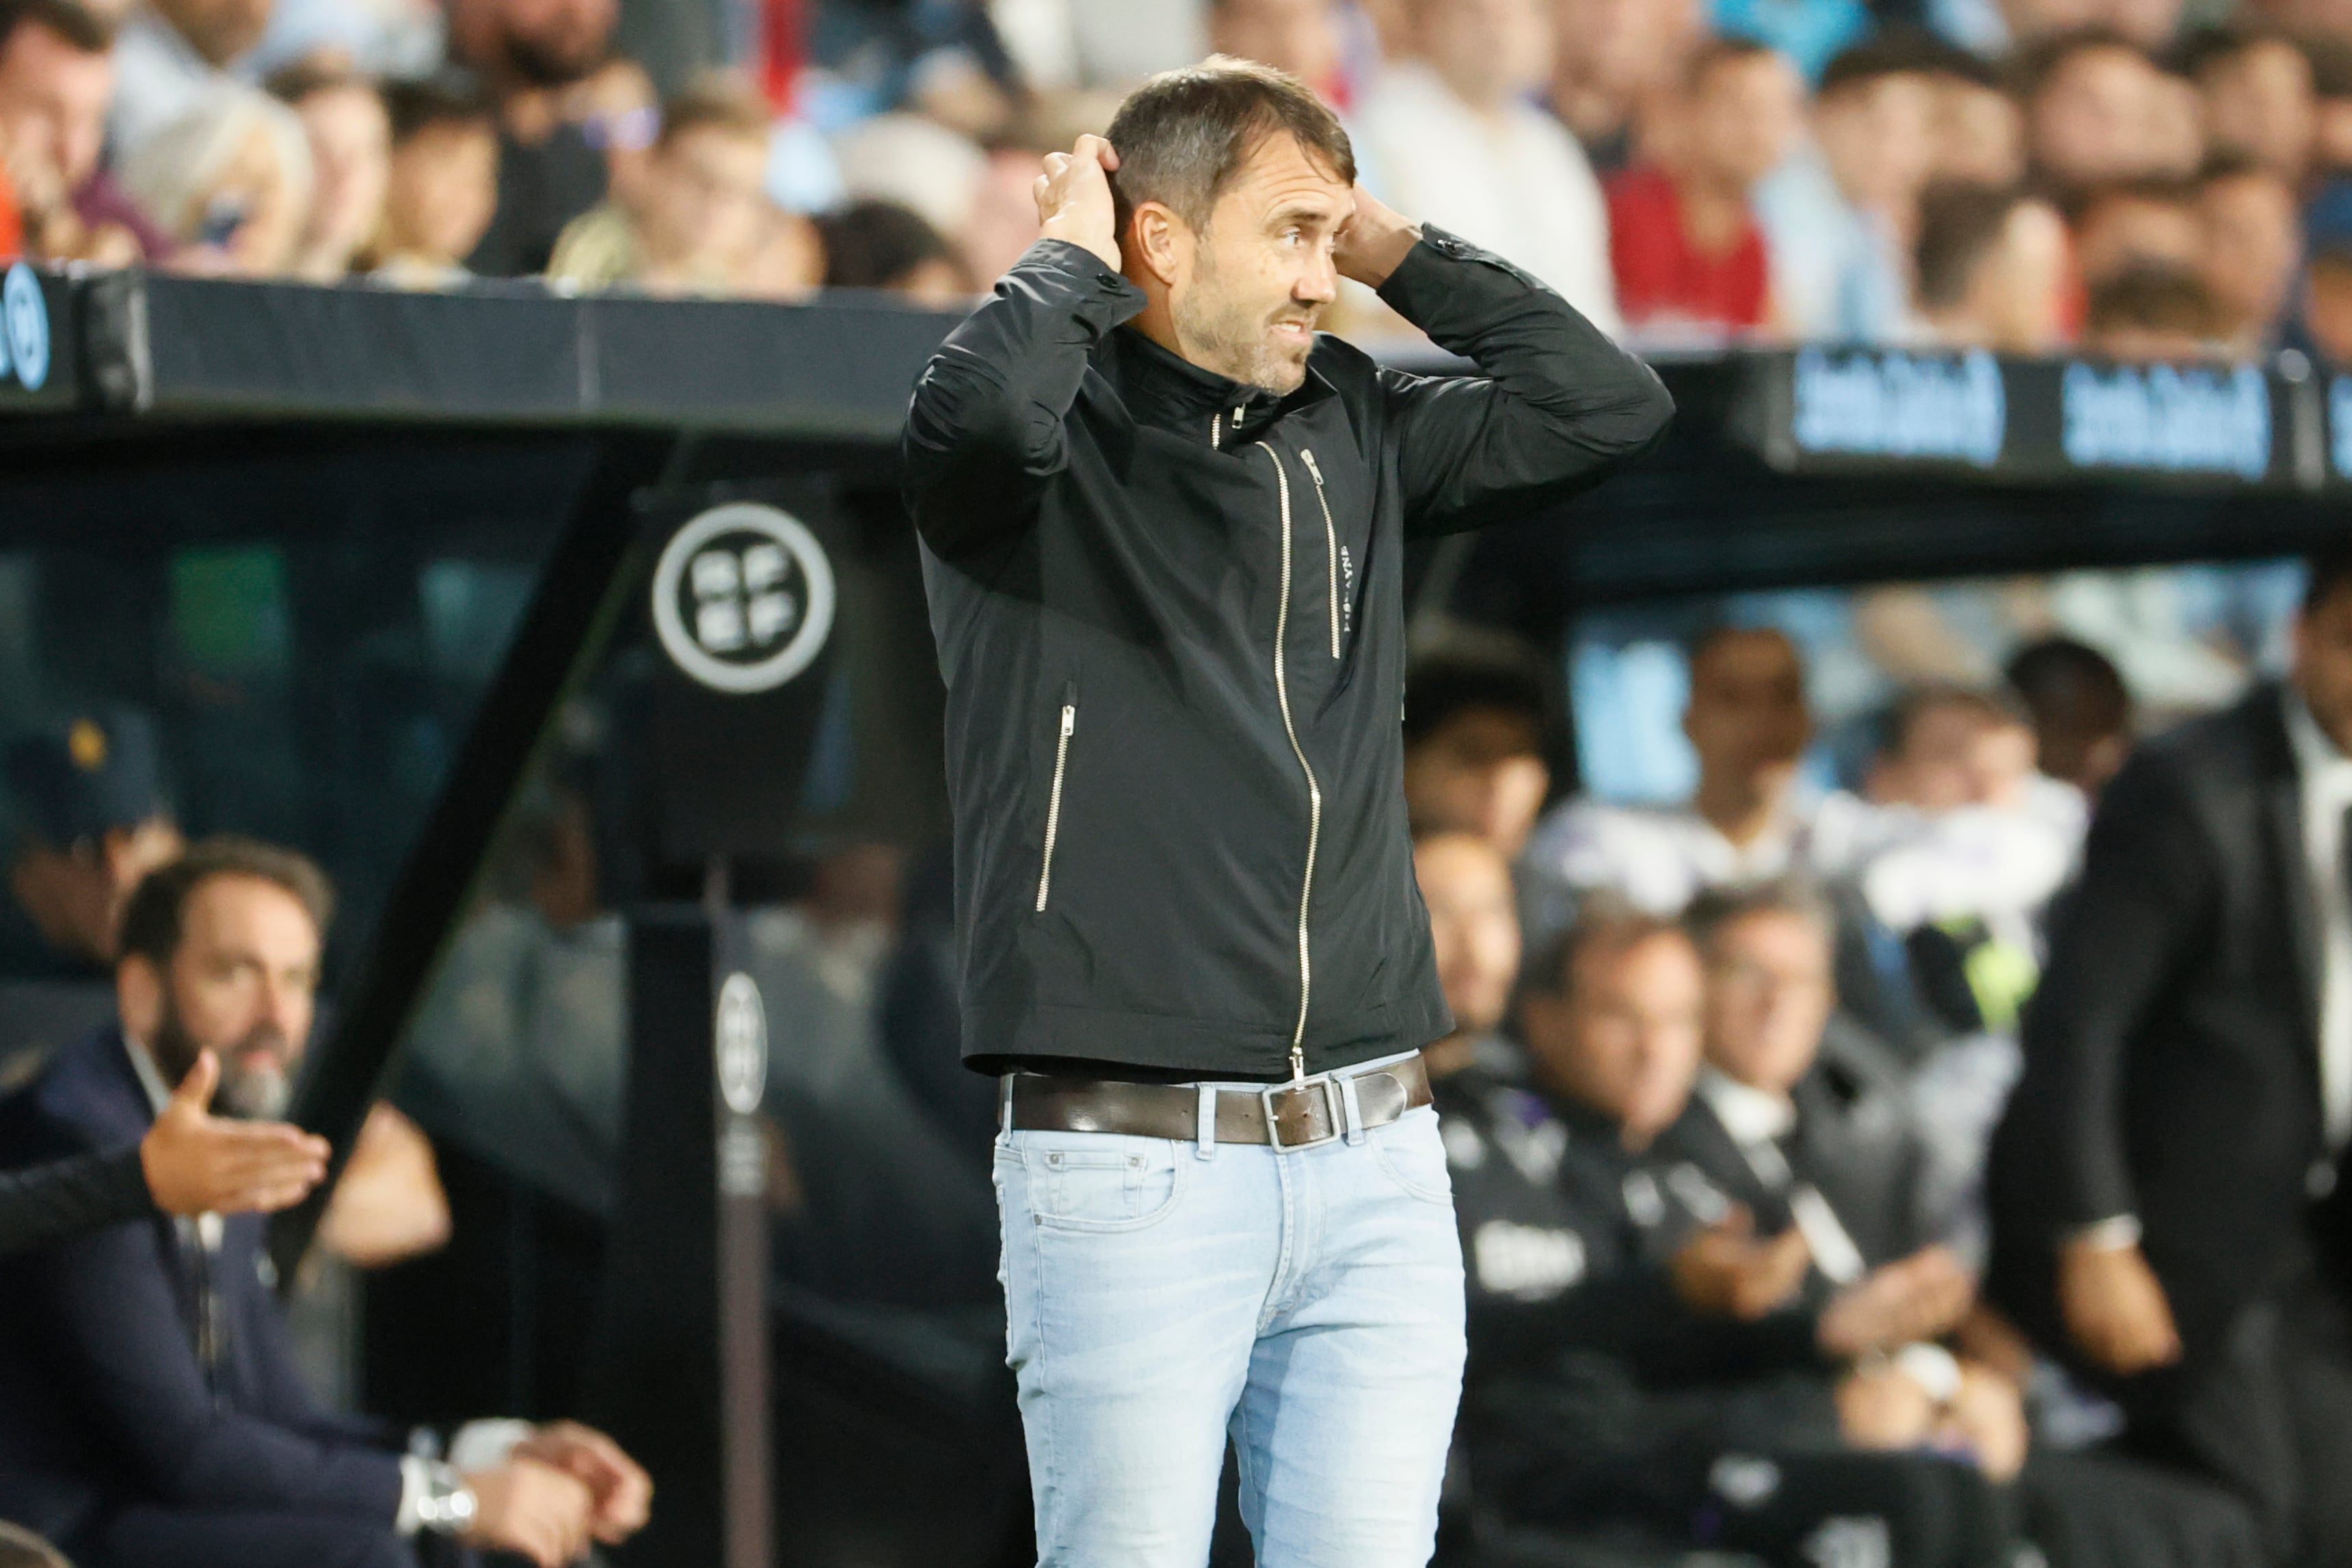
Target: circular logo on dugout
24,329
743,597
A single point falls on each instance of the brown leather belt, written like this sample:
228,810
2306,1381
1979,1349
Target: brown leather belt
1286,1115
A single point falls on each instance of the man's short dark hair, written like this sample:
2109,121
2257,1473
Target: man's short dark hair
1605,921
1960,223
2152,190
2155,297
2032,67
416,107
2212,45
292,83
1184,134
1891,52
1719,909
85,29
1902,717
1714,53
1445,683
713,108
2325,570
154,919
876,243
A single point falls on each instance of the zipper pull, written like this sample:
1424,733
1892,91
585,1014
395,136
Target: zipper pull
1317,473
1070,720
1216,431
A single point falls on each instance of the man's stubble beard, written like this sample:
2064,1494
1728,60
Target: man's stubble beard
249,1094
1231,337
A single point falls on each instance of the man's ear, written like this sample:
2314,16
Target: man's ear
139,997
1160,242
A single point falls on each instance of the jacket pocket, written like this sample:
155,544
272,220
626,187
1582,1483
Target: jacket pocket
1069,726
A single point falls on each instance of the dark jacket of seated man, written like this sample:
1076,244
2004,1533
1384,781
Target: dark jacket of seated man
146,1383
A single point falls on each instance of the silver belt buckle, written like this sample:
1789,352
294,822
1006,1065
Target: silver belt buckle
1331,1113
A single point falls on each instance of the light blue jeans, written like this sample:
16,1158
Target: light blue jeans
1162,1294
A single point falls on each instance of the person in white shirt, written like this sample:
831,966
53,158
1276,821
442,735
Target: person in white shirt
1453,136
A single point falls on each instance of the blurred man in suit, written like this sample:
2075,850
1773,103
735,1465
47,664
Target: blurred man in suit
2165,1181
150,1415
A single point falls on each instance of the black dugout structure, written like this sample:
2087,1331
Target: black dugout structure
467,593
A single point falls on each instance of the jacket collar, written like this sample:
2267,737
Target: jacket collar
1161,387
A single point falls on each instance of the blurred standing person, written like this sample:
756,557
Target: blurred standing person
442,185
1610,58
2165,1182
693,222
1683,241
1992,270
529,54
1186,926
2083,720
1452,135
351,165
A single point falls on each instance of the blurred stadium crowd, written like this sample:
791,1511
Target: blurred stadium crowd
2144,178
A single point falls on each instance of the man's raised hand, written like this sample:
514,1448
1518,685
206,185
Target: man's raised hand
197,1163
1073,200
1375,242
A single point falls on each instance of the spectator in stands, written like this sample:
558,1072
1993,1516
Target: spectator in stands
351,165
2260,100
2166,1185
1474,926
229,180
173,55
2149,315
1979,130
2082,711
1750,723
1682,235
1991,269
1839,216
1451,133
2148,222
2326,313
160,1346
442,187
2254,250
1301,37
92,821
875,245
2095,107
1629,1333
1474,743
56,81
1611,60
696,218
2331,85
619,112
528,53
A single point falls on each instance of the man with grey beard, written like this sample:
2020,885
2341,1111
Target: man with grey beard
150,1414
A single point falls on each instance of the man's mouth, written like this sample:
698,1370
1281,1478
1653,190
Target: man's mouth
1294,331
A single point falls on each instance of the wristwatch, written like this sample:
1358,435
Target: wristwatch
449,1506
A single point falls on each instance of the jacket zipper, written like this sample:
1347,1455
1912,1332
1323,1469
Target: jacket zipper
1053,800
1330,544
1216,430
1314,790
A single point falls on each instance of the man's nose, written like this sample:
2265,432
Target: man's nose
1319,284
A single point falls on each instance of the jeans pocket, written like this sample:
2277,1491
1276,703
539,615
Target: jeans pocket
1413,1155
1108,1183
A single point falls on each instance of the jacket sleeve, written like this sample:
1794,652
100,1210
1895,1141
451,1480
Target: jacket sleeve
68,1198
1556,408
985,429
113,1319
2146,888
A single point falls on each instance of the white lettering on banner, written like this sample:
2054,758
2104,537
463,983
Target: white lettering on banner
2180,419
1524,1260
1901,405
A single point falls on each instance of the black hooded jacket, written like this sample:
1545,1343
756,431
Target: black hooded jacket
1170,610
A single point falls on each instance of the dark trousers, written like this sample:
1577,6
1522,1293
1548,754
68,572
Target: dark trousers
2268,1414
145,1536
2102,1511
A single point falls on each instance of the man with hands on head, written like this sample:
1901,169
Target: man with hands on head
1163,524
150,1414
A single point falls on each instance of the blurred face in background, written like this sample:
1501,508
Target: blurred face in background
2254,248
1620,49
704,200
2327,305
443,189
1489,52
1978,134
1301,37
75,893
2259,101
1742,117
534,43
242,984
1768,997
2323,662
53,102
1625,1037
2125,229
2018,296
1748,718
1480,772
351,165
1954,754
1473,923
2092,119
1879,137
223,31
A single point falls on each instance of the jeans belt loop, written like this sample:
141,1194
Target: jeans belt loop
1351,1111
1005,1111
1205,1132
